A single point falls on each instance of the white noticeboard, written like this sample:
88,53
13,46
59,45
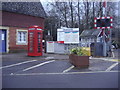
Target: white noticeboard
75,37
68,35
60,36
50,47
71,37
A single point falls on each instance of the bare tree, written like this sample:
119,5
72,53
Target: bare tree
100,11
71,11
78,14
62,7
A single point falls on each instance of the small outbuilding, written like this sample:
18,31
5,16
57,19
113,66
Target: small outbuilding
90,36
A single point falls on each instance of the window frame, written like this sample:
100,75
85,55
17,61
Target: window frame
18,42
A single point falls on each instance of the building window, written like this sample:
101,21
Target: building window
22,37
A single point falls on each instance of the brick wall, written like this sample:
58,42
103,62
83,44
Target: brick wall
18,21
13,47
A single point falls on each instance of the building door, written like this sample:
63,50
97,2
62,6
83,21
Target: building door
2,40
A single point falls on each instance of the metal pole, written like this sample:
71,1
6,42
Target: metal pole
104,43
51,33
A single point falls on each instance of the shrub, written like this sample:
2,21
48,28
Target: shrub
80,51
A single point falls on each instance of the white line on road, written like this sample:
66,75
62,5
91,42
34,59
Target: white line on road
17,64
30,74
106,59
38,65
112,66
68,69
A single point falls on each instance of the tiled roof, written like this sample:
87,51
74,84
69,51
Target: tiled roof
27,8
92,32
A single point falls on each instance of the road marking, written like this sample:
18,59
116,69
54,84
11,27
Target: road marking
112,66
17,64
107,59
118,60
38,65
48,58
68,69
28,74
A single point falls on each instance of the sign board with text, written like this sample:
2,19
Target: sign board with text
68,35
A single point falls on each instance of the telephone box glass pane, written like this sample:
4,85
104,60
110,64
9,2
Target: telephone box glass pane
39,42
31,40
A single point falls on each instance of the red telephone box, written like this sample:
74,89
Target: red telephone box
35,34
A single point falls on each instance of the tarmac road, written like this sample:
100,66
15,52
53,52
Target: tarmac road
79,80
54,73
51,75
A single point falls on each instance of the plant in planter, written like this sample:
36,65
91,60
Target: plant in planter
79,57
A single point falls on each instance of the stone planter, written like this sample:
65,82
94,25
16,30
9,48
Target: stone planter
79,61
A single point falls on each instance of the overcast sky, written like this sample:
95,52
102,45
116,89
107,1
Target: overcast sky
44,3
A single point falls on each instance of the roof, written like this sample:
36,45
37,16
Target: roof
27,8
91,32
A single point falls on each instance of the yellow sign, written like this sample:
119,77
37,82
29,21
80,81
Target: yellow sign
87,49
